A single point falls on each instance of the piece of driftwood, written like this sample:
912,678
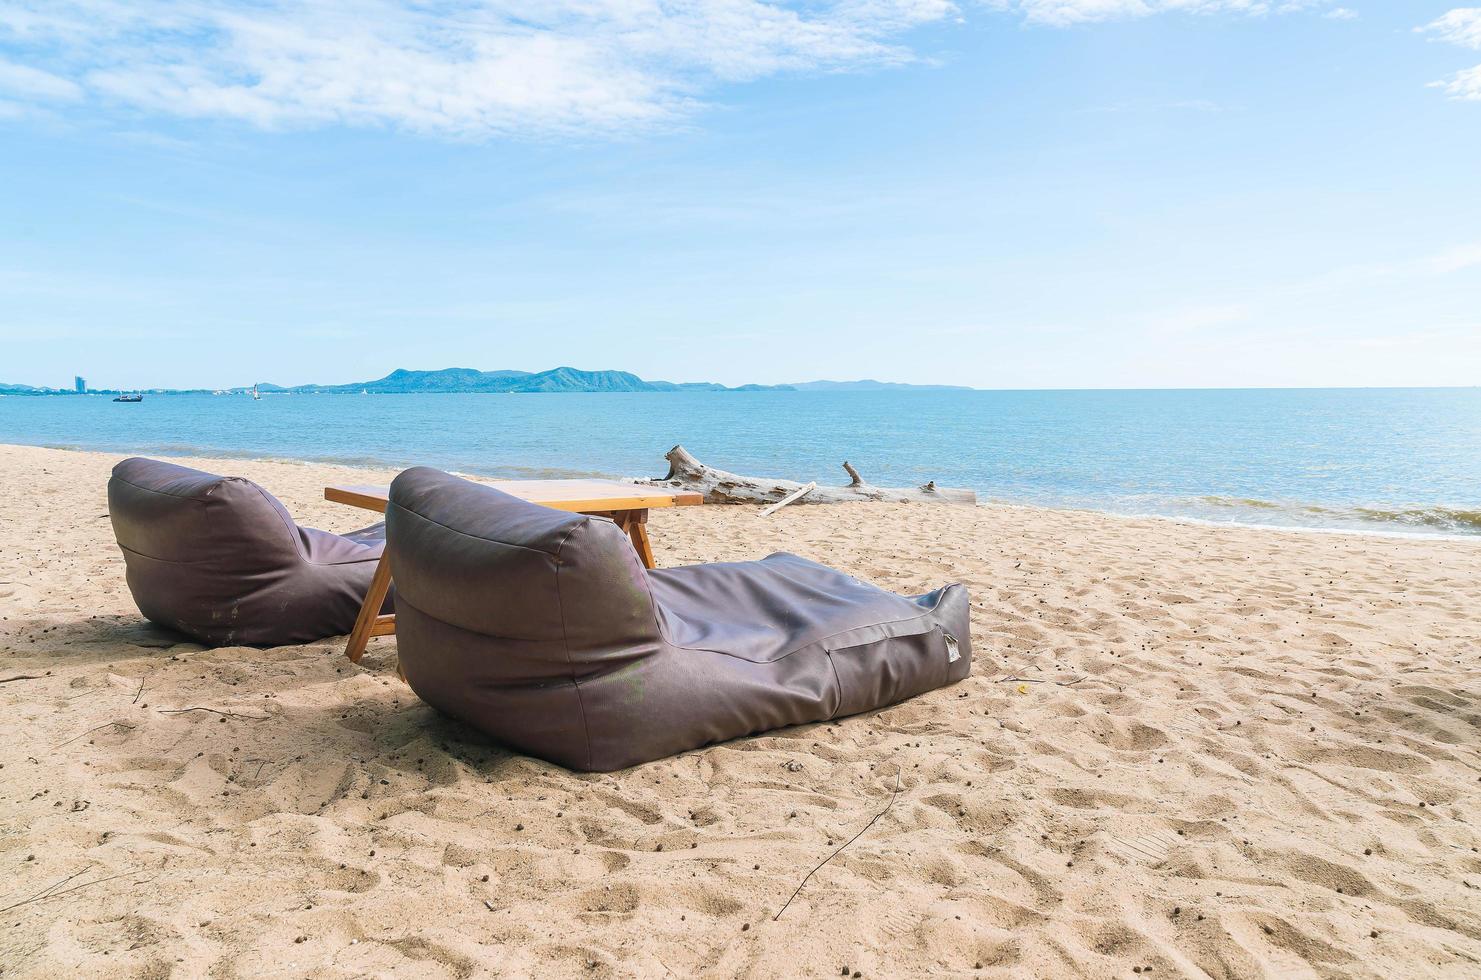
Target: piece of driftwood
790,498
720,487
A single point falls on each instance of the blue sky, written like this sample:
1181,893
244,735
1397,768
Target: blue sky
1010,193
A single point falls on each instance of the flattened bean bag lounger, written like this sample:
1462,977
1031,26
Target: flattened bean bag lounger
542,629
219,559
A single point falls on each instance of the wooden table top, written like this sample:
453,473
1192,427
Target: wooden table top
584,496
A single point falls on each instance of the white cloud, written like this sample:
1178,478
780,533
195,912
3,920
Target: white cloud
1457,259
475,68
24,81
1463,85
469,67
1460,26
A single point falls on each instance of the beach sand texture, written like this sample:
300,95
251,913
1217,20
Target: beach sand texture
1204,751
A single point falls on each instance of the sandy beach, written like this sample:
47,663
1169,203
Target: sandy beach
1184,750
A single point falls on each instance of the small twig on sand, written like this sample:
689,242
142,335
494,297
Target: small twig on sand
872,820
49,893
1021,680
1073,682
140,692
21,677
48,889
224,714
112,724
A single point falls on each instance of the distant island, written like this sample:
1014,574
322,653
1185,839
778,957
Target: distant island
561,379
472,381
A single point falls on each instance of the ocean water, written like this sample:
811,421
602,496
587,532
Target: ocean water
1396,460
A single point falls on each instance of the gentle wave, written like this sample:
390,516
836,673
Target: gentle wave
1241,502
1214,508
1442,518
1450,520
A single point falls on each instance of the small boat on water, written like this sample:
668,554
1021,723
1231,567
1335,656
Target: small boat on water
125,397
256,395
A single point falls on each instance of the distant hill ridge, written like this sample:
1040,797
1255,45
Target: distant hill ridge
403,381
471,380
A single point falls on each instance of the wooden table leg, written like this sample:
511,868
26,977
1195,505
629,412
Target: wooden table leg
370,622
637,529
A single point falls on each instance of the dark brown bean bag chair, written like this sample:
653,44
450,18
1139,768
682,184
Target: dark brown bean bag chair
219,559
542,629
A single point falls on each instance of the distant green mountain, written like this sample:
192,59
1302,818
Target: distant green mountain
470,380
868,384
571,379
402,381
561,379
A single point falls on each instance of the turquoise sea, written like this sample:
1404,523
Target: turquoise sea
1405,460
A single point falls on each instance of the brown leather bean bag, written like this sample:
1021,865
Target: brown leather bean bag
219,559
542,629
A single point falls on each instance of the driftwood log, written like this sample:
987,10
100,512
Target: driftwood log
719,487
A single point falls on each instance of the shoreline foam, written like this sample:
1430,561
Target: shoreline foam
1353,516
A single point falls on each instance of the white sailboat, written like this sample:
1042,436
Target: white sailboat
256,396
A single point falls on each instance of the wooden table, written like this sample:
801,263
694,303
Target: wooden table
626,504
